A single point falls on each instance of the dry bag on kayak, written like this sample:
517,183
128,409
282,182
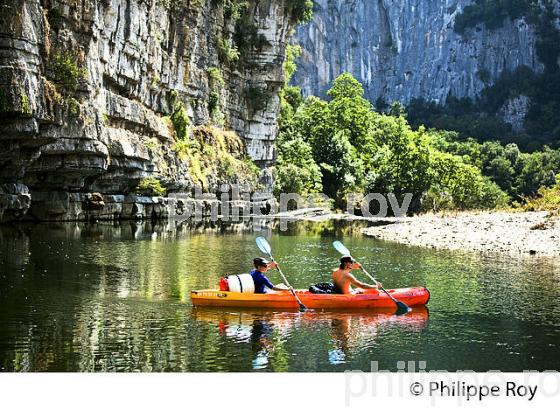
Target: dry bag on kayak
324,288
224,287
241,283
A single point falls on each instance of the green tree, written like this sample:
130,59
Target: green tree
295,170
502,172
459,185
404,166
351,112
342,168
536,170
346,86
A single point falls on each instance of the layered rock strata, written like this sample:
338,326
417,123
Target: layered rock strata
88,89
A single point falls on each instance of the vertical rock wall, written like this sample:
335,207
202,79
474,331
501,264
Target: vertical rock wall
401,49
86,86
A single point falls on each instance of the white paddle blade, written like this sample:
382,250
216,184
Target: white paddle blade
263,245
341,248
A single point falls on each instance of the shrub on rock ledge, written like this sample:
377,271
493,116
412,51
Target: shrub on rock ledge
150,186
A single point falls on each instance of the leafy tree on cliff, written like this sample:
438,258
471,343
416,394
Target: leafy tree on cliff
301,10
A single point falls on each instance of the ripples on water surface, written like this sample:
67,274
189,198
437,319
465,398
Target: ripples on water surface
104,297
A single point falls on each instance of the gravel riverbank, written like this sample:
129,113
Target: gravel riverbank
523,233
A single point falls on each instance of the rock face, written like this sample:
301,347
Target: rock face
87,88
514,111
408,48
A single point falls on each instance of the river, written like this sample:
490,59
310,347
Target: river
115,297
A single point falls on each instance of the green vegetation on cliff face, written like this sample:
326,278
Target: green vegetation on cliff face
174,95
482,118
213,154
492,13
65,71
344,146
150,186
301,10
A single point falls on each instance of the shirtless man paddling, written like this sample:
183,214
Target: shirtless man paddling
343,279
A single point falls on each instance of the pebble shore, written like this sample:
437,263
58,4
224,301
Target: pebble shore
522,233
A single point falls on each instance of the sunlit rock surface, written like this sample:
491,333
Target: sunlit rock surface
404,49
109,131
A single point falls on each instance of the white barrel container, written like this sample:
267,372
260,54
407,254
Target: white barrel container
241,283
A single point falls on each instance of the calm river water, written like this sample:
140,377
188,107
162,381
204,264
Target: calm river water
115,297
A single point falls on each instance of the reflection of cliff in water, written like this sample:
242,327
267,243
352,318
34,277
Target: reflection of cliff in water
116,297
19,234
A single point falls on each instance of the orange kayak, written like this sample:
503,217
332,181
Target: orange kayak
370,299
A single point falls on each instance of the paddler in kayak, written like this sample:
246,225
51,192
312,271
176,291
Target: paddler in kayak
260,280
343,278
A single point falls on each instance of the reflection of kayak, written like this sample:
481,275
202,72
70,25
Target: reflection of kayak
370,299
417,317
350,332
238,324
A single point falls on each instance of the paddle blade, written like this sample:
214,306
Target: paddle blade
341,248
264,246
402,308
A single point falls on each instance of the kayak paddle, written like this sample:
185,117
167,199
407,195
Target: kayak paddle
401,306
264,246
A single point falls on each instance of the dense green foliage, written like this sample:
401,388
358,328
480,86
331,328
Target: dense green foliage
66,72
546,199
492,13
179,118
227,51
480,118
518,173
301,10
344,146
295,170
234,9
357,150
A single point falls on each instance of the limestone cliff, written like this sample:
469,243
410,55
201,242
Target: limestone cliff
92,93
402,49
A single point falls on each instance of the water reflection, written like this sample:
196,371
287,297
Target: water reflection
267,332
115,297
